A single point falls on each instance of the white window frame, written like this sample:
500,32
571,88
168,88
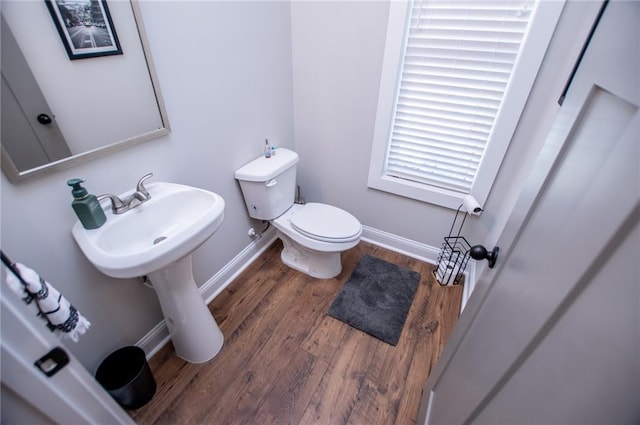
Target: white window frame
543,23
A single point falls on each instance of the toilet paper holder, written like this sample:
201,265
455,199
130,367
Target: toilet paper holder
456,251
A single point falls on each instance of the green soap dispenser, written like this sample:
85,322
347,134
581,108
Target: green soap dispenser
86,206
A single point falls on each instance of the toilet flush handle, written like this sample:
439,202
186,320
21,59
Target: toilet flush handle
272,183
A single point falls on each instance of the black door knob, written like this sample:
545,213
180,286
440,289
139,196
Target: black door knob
44,119
479,252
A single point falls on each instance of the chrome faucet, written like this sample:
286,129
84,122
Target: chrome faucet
140,196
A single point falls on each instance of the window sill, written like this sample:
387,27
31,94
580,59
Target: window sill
421,192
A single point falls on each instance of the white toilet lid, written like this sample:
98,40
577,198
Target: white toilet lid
326,223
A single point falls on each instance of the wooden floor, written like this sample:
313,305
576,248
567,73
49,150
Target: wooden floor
284,361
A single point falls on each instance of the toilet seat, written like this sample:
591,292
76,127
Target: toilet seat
326,223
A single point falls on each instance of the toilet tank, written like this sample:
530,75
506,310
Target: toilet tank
269,184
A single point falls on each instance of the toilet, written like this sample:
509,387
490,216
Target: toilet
314,235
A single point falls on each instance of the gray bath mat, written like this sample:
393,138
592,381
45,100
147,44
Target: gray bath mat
376,298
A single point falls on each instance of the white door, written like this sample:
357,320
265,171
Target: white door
29,131
70,396
552,334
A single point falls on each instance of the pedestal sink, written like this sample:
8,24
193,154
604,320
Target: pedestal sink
156,239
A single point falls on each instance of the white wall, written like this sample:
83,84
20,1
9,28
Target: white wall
225,72
337,58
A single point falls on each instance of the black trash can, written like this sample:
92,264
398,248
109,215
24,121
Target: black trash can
126,375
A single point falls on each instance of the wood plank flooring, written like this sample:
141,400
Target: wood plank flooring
284,361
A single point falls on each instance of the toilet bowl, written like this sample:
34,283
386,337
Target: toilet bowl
314,235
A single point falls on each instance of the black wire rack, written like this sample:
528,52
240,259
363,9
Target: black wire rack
454,254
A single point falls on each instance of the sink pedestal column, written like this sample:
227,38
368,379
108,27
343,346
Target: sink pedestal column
194,332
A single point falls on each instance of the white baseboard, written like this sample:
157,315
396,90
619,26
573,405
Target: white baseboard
159,335
155,339
229,272
402,245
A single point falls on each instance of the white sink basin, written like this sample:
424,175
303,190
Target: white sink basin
172,224
156,239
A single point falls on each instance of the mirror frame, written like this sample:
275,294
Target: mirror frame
17,176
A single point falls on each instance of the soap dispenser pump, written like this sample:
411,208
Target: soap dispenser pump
86,206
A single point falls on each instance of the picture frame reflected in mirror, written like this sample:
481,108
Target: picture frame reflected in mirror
85,27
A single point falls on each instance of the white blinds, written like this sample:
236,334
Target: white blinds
458,60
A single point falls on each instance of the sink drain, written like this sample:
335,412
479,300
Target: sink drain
156,241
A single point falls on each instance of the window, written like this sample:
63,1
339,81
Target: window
456,77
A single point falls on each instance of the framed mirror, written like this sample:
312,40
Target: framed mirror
58,112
